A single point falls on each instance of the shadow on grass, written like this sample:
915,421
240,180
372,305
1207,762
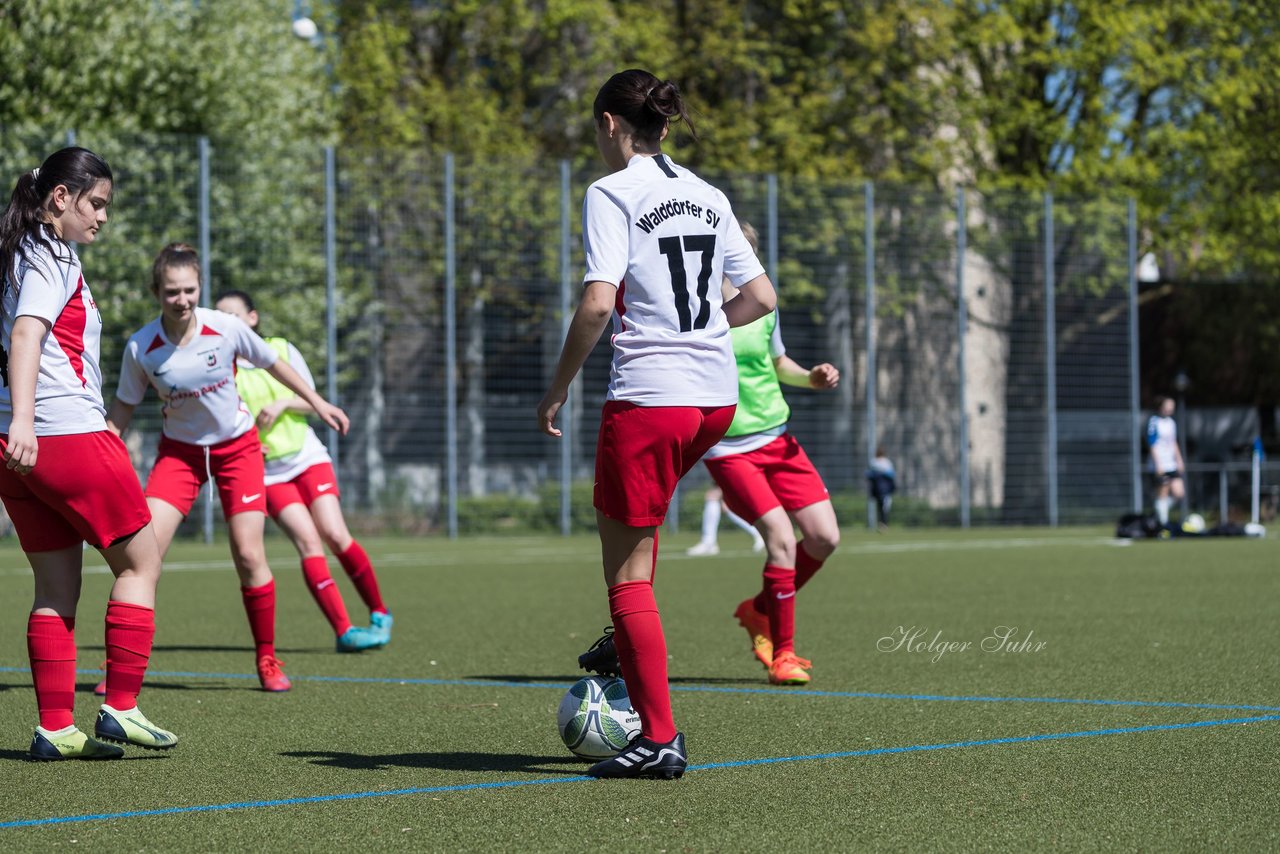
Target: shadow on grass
461,761
569,680
24,756
249,648
87,687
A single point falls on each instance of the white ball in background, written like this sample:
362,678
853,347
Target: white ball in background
305,28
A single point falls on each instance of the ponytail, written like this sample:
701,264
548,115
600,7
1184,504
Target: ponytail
648,104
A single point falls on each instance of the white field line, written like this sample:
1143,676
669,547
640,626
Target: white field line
528,555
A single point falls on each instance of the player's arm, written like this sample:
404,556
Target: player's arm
292,380
25,344
822,376
269,414
119,416
755,299
584,331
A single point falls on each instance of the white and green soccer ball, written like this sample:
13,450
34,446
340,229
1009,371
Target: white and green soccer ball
596,719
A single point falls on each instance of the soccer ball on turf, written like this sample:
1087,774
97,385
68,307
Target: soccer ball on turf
1193,524
596,719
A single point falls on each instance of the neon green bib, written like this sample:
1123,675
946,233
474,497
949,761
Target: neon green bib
258,388
760,402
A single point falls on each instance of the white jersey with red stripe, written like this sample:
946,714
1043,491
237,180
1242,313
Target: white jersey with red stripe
666,238
197,381
51,286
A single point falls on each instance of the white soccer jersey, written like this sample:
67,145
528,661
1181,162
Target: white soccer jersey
196,382
666,238
69,384
313,452
1162,436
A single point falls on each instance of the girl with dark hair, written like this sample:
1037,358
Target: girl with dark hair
302,489
67,479
188,354
656,238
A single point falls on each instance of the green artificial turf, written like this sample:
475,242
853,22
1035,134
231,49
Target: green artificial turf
487,631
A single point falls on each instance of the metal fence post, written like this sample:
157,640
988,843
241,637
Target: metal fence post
566,423
206,293
1135,409
1050,364
962,325
331,290
869,276
450,348
771,226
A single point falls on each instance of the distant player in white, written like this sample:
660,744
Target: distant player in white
188,354
658,241
302,490
67,479
1166,458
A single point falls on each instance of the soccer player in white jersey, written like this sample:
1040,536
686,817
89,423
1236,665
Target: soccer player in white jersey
302,489
67,479
188,354
1166,458
658,240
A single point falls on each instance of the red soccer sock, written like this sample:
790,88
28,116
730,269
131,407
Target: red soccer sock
780,593
315,570
51,646
130,632
260,606
806,565
360,570
642,653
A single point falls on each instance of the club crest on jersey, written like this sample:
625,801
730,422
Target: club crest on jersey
211,358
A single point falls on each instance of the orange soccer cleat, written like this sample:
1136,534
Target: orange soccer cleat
757,626
789,669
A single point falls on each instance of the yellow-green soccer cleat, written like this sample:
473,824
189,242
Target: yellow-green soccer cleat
131,727
69,743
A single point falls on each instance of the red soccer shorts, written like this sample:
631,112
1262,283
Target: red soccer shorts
236,465
643,451
777,475
304,489
82,489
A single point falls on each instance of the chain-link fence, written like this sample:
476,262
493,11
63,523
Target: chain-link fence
987,342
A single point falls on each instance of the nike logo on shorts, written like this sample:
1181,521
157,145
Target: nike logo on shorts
324,487
249,499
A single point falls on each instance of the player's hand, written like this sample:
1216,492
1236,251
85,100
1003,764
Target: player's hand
21,449
334,417
825,375
269,415
547,410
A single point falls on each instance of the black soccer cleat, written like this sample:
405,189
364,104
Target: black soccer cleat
602,657
645,758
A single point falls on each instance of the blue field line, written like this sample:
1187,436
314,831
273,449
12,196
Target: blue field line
710,689
467,787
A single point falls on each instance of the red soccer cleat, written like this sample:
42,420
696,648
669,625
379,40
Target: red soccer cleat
270,674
